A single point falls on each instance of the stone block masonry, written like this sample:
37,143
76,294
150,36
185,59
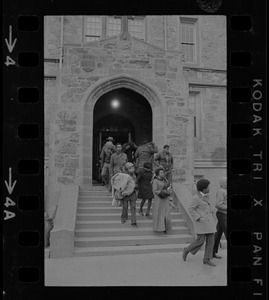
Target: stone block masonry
86,66
157,63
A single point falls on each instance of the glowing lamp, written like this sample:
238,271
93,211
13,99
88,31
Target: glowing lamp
115,103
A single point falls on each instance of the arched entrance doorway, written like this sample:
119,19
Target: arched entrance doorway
122,114
102,87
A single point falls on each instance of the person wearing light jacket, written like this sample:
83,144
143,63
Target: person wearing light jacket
221,206
202,212
130,195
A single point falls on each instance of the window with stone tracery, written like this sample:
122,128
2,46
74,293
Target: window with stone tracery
113,26
136,26
93,28
188,39
97,27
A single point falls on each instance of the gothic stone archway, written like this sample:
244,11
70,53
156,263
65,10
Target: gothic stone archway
95,92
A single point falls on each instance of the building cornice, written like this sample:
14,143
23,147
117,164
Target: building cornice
52,60
210,163
194,84
50,77
199,69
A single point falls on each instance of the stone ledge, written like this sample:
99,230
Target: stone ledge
62,234
184,197
210,164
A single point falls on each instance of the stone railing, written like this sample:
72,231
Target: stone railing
183,197
63,232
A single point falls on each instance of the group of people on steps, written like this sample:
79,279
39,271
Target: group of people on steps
136,162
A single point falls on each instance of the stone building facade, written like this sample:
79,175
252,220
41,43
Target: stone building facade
164,96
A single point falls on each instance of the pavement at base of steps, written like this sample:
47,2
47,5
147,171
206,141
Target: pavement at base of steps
154,269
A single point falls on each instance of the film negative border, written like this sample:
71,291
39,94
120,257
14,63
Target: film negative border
24,151
247,159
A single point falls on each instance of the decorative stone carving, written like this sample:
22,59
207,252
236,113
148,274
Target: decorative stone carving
87,65
160,67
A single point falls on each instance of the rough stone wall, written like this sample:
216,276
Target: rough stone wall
213,144
84,66
52,36
73,29
155,31
172,35
50,99
204,76
213,41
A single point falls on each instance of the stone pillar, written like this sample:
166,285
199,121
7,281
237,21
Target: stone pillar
125,35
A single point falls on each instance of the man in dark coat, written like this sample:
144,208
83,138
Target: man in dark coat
129,148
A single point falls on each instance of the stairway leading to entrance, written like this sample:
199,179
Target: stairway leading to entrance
99,230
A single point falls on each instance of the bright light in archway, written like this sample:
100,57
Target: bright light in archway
115,103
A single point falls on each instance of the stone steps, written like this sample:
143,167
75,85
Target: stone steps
95,193
104,224
122,250
152,239
110,210
124,231
114,216
99,230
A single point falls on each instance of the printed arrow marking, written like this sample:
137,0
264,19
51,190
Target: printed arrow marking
9,43
9,185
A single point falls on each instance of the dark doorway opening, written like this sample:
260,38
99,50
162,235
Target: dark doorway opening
116,126
122,114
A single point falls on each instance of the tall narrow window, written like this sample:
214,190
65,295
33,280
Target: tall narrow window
188,39
93,28
136,26
113,25
196,106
